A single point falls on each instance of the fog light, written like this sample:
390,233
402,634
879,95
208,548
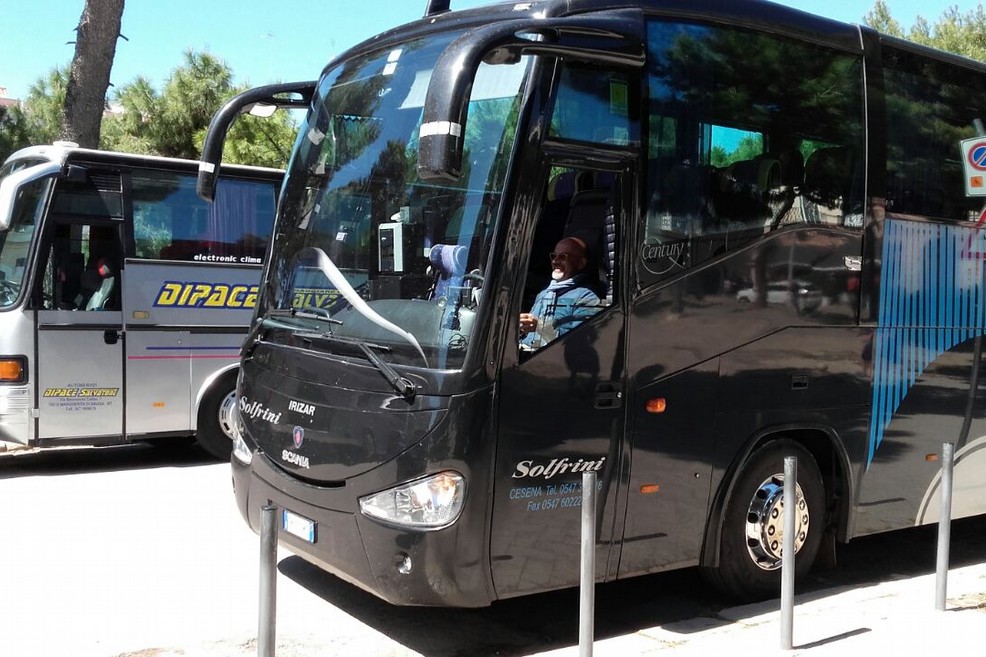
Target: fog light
433,502
404,564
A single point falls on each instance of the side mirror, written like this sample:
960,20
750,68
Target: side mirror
13,183
612,37
259,101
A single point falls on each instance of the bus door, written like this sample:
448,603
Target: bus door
561,394
79,330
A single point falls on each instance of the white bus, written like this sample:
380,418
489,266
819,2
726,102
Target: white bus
123,296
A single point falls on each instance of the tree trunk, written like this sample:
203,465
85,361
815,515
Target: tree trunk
85,95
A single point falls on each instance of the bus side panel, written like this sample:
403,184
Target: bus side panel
927,374
158,397
808,383
762,361
670,468
184,323
901,477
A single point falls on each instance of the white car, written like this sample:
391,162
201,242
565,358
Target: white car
801,295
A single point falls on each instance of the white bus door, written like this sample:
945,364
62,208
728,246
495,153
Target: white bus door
80,388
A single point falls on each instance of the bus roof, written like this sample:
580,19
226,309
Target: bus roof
64,151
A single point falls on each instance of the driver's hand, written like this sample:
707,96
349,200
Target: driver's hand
528,323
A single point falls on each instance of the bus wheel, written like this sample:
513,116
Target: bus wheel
214,431
752,530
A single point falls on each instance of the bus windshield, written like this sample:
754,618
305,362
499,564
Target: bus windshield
415,252
15,241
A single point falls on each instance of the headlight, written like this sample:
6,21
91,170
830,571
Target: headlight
241,450
430,503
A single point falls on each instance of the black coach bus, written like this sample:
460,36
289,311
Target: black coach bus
761,245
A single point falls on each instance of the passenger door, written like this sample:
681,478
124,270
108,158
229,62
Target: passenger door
561,404
80,383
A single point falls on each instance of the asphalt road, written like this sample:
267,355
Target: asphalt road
139,552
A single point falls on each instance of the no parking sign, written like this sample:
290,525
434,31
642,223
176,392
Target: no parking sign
974,161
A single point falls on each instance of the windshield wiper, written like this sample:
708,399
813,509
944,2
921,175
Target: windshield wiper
403,386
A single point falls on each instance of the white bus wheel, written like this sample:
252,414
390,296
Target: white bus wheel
214,424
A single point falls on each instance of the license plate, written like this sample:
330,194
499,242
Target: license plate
298,526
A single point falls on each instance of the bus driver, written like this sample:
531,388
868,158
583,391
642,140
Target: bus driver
565,303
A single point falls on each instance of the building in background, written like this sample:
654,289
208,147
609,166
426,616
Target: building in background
8,102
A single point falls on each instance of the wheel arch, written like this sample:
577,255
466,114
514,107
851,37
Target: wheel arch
206,387
823,443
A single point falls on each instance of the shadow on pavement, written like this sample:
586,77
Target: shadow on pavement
537,623
514,627
78,460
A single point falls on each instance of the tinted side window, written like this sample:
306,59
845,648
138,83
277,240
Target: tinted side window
931,107
747,133
596,105
172,223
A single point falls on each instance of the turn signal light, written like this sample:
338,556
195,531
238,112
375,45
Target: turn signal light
13,369
657,405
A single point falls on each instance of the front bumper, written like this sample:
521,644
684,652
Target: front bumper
449,567
15,414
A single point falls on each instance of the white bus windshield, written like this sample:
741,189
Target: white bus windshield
15,241
415,251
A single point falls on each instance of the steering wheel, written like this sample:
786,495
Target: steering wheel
475,276
9,289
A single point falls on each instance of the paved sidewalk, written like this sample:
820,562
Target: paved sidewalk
894,617
876,620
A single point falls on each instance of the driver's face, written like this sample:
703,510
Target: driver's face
567,260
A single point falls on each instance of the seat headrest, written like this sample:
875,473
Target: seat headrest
103,268
561,186
449,259
761,173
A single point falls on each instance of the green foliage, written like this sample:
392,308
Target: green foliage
879,19
44,105
962,33
748,147
15,132
262,142
171,122
168,122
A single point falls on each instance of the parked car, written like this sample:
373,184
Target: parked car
802,295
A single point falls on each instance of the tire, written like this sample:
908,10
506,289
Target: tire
750,540
213,433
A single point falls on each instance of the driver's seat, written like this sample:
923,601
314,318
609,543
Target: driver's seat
102,281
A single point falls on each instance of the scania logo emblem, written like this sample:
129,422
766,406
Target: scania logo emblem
298,433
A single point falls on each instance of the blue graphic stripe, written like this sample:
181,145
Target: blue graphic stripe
931,293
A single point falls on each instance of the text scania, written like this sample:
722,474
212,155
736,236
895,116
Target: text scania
292,457
185,294
556,467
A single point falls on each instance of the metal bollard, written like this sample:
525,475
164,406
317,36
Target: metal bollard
787,551
587,580
944,525
268,581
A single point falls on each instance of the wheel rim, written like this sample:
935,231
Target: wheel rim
226,414
765,523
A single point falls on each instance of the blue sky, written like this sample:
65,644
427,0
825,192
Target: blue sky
262,42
